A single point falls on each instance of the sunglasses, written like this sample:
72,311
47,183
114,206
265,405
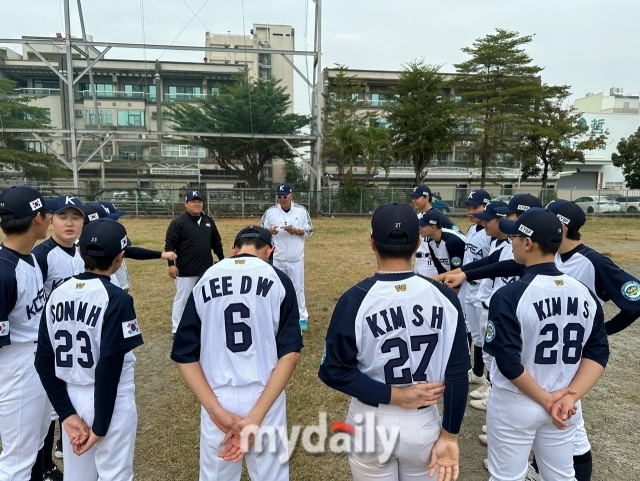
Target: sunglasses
283,196
513,236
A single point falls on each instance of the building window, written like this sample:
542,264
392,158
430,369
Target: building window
103,90
130,118
106,117
47,114
171,150
184,93
215,91
626,105
380,123
36,146
140,91
46,84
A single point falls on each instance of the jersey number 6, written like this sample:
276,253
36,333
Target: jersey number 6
233,330
431,340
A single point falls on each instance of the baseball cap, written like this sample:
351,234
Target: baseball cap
112,209
520,203
193,194
22,201
477,197
392,217
283,189
431,217
419,191
540,225
490,210
65,202
569,213
255,232
95,211
103,238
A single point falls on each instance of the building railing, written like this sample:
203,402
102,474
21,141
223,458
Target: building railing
101,94
177,97
36,91
376,103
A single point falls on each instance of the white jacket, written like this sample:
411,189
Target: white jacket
289,247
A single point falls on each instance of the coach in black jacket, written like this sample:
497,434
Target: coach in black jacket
192,236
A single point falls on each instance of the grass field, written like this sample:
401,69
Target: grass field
336,257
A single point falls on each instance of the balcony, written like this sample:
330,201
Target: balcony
101,94
180,97
376,103
34,91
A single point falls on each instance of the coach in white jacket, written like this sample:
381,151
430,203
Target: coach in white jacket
290,224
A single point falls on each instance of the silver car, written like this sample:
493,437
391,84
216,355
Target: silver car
594,204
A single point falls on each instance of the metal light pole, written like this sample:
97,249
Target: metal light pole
72,120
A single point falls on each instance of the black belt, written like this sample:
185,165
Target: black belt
485,306
420,255
375,405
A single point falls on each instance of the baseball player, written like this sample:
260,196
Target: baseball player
547,335
236,346
478,245
84,359
25,412
393,339
446,248
290,224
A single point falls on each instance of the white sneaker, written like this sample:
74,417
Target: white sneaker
480,404
482,392
484,428
485,463
473,379
531,474
483,439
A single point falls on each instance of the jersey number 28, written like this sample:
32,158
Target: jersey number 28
568,357
417,343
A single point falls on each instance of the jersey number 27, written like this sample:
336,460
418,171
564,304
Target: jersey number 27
417,343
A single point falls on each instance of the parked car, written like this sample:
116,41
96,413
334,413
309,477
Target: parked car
597,204
503,198
629,204
128,197
441,205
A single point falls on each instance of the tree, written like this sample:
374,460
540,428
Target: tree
628,157
292,172
377,149
343,124
496,86
553,134
16,113
422,119
246,107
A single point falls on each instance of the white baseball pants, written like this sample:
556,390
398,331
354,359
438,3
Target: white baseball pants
425,267
271,463
419,430
25,412
515,423
473,323
295,271
184,286
112,457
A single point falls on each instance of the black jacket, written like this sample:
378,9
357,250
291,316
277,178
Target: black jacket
193,244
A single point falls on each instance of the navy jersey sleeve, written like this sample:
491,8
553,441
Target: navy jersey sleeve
455,249
597,346
107,374
141,254
288,337
456,378
338,368
120,330
8,299
186,343
508,268
485,261
613,283
41,253
216,241
172,238
503,340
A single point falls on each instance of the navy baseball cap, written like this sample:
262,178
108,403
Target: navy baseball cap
491,211
254,231
95,211
420,191
520,203
65,202
392,217
103,238
283,189
193,194
112,209
542,226
431,217
22,201
569,213
477,197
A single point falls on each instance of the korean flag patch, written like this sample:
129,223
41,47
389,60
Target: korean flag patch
35,204
4,328
130,328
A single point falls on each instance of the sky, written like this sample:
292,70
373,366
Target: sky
589,45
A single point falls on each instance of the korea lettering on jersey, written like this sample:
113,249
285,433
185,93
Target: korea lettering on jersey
403,334
23,321
505,254
556,316
231,299
75,316
478,246
486,285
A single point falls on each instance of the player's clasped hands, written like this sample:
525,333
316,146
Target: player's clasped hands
561,405
419,395
81,436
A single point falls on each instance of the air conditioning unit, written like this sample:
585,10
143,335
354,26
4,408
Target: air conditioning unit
142,136
154,115
167,136
78,114
132,156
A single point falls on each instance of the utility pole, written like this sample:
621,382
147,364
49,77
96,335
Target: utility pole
72,120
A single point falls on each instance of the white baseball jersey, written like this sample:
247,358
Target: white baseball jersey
486,287
23,297
241,317
544,322
447,250
478,246
58,263
289,247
